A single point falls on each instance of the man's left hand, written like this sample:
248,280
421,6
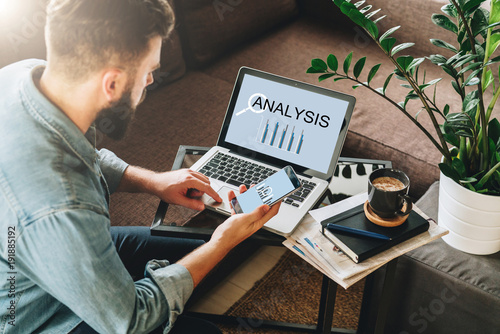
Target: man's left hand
184,187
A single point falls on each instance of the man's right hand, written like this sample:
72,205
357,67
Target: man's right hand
240,226
226,236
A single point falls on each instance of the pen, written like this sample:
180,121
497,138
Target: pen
354,231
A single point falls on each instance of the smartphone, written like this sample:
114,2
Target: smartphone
270,191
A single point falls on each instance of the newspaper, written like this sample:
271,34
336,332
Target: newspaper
311,245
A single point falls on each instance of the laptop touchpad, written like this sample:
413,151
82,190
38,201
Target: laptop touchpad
224,207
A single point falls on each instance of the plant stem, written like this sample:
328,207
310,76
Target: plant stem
443,148
485,178
492,104
445,152
482,114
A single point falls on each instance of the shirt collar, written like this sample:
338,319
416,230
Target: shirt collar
56,120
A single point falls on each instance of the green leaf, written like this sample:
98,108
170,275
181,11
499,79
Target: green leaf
471,80
359,3
404,62
464,60
494,42
325,76
449,172
450,10
388,43
489,79
495,12
444,22
449,135
459,167
438,59
369,15
347,63
388,32
347,7
372,72
386,83
332,62
371,27
430,83
494,130
358,67
470,6
470,101
313,70
338,79
365,9
401,47
456,87
469,67
443,44
467,180
319,64
446,109
479,22
379,19
415,63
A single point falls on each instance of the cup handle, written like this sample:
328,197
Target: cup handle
409,205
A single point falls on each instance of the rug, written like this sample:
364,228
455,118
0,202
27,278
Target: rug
290,292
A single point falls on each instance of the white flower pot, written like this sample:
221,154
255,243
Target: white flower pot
473,219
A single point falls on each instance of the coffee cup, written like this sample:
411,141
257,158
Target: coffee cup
388,193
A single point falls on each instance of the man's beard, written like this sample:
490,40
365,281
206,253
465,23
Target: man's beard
114,121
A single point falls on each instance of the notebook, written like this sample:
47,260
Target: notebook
359,248
271,122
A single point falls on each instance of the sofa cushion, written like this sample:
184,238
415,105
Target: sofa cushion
172,61
212,28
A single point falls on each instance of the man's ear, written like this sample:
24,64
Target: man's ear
114,82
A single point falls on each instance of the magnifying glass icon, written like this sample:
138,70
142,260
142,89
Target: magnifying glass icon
250,104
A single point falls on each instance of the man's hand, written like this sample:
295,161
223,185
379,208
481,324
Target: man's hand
225,237
240,226
183,187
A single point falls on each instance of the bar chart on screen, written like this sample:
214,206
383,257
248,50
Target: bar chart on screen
280,135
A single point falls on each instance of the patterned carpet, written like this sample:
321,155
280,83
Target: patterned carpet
290,292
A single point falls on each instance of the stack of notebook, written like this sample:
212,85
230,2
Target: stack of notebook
360,239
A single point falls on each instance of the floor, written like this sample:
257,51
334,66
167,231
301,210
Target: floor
242,279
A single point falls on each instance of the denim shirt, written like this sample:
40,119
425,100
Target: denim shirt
58,264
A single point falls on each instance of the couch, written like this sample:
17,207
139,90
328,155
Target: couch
214,38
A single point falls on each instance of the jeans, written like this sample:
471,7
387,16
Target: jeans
136,246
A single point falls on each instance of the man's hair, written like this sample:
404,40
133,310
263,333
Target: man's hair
84,36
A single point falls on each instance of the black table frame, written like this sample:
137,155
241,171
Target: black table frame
373,310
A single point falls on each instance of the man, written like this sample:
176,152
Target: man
63,270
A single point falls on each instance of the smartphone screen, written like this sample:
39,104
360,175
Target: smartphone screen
270,191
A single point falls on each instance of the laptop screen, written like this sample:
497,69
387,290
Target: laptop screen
286,121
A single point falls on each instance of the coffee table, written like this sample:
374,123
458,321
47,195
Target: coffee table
349,179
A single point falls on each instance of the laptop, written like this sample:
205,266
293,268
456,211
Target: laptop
272,122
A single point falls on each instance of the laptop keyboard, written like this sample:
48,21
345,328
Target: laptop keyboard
235,171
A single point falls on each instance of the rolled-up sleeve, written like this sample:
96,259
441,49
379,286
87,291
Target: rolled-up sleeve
70,255
112,168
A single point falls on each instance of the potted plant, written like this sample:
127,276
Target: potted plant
468,139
